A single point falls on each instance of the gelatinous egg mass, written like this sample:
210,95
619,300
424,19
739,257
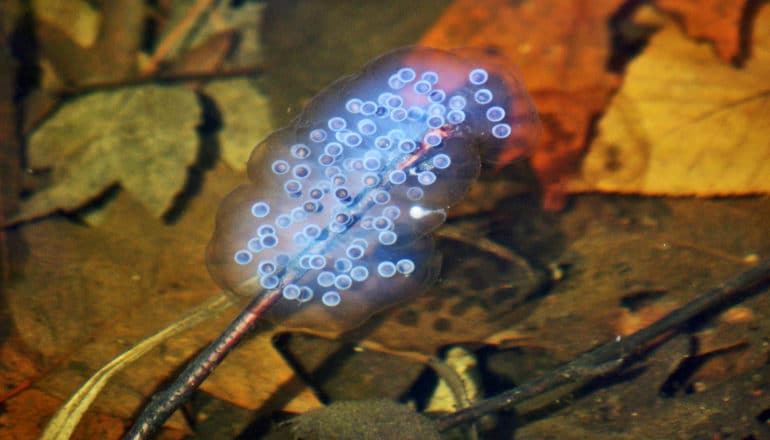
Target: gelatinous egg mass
341,203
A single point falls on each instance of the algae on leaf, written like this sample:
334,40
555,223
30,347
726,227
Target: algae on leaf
142,138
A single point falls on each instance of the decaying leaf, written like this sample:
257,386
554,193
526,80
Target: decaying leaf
122,281
246,118
686,123
76,18
562,51
142,138
716,20
110,57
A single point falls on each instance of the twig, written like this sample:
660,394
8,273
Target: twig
494,248
64,422
164,403
610,356
175,35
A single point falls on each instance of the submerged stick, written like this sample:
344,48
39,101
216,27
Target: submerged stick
64,422
613,355
164,403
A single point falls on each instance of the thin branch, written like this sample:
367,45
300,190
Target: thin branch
613,355
175,35
64,422
164,403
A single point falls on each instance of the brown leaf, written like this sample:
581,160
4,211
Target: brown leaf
561,49
125,136
125,280
111,57
685,123
715,20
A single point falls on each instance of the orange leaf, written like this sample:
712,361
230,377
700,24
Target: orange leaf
562,50
715,20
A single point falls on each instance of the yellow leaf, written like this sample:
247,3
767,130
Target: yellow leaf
685,123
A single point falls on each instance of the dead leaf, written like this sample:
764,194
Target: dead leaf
110,58
715,20
142,138
125,280
246,118
685,123
78,19
562,51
